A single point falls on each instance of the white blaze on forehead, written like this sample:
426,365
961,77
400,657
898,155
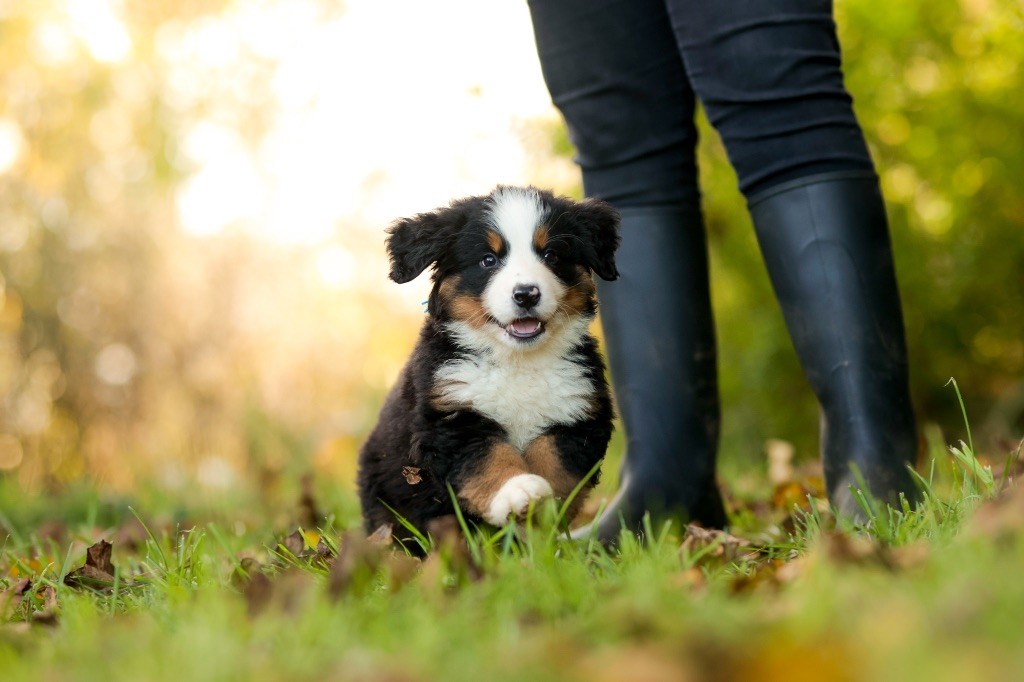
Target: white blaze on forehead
517,213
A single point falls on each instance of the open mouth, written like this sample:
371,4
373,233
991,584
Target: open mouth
525,328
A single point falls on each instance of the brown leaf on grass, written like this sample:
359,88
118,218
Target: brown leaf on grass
26,600
383,535
47,615
21,587
98,571
715,545
98,556
294,543
307,544
12,597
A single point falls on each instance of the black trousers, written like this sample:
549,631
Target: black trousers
626,75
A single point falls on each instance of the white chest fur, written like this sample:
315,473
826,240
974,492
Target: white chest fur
525,395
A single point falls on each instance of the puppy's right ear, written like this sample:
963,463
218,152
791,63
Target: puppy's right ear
416,243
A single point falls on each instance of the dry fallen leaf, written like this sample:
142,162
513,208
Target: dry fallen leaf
295,543
715,545
412,475
47,615
98,571
30,601
307,544
383,535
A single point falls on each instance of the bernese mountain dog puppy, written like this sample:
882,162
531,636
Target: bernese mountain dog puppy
504,398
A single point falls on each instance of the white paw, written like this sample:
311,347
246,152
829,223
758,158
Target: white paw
515,496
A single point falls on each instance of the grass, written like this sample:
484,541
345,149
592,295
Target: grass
928,593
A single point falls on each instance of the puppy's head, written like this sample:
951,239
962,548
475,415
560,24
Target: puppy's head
512,269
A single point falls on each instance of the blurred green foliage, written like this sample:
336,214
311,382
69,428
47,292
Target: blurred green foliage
130,350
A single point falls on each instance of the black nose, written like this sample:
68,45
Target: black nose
526,296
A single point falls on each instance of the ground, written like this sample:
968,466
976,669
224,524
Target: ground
932,593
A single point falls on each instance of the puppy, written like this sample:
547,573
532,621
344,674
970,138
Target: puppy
504,398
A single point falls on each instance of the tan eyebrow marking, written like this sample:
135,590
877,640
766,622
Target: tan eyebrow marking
495,241
540,237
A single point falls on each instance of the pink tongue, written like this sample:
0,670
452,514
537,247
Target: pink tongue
527,326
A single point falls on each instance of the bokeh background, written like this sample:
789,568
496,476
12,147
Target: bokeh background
193,291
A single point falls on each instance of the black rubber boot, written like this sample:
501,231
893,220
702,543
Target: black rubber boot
825,241
660,343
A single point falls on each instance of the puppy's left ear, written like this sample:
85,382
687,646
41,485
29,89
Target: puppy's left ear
600,223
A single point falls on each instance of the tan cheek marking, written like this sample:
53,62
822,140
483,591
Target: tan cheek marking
581,295
494,241
542,458
462,307
468,309
540,237
446,290
500,464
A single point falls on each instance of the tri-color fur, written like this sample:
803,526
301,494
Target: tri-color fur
504,397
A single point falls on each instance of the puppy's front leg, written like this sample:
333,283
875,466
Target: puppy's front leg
499,484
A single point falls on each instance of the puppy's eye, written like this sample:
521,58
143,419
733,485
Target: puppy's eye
488,261
550,257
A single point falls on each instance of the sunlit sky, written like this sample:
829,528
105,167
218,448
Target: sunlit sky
386,109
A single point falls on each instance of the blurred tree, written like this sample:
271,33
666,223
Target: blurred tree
130,350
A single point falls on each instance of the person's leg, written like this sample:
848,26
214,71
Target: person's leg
614,72
768,73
